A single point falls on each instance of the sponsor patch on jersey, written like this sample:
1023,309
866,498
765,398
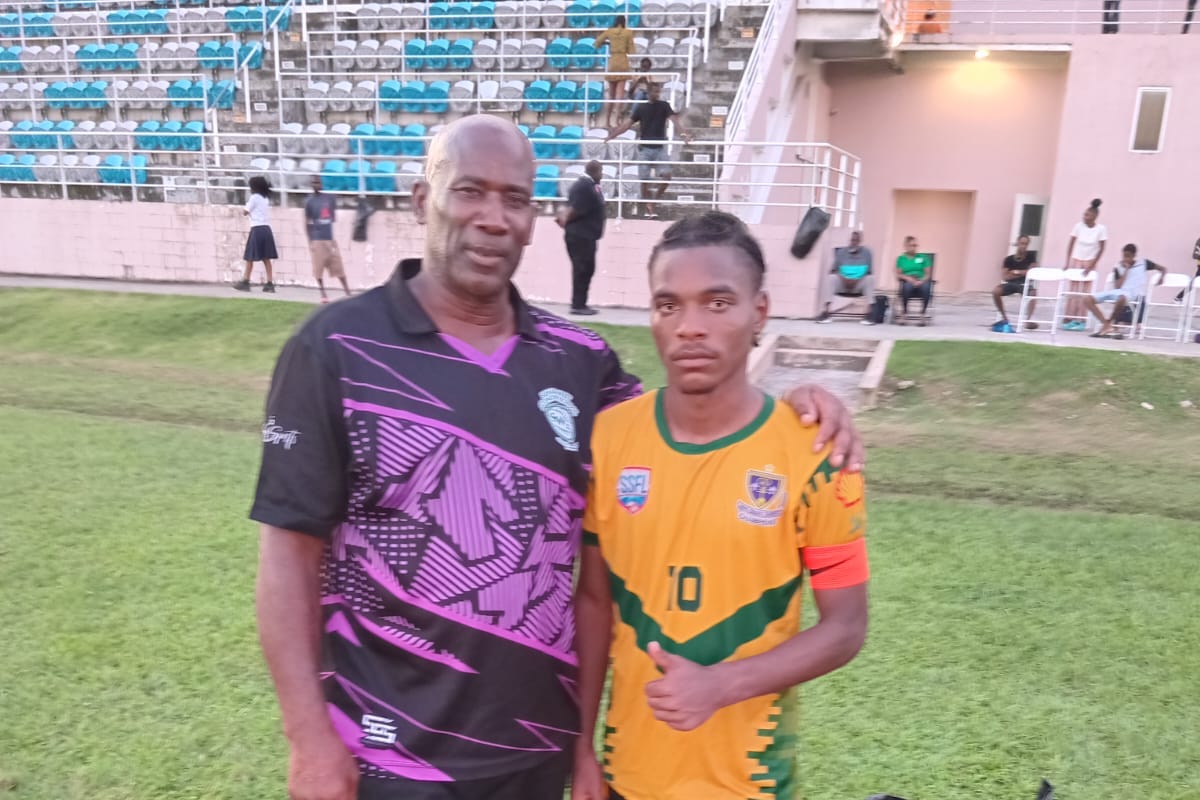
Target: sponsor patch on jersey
633,488
767,496
848,488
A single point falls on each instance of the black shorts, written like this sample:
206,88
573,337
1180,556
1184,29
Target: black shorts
1015,287
546,781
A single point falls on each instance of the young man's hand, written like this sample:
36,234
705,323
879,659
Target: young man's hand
321,768
686,695
587,778
815,404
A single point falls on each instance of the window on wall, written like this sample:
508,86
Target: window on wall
1150,119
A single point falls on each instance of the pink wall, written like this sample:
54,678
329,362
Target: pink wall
197,243
941,221
949,122
1149,198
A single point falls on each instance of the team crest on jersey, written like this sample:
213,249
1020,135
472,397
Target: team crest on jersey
561,411
633,487
767,494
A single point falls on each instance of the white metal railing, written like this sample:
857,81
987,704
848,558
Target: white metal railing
966,21
224,162
99,9
768,33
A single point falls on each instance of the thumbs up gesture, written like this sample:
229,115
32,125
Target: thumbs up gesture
686,695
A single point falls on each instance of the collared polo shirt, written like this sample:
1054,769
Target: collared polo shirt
449,488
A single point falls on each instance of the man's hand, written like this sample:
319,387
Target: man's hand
686,695
587,779
322,768
815,404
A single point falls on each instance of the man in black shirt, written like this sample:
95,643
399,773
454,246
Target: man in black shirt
652,117
1016,267
582,221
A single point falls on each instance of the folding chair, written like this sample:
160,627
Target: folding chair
927,317
1191,313
1088,279
1037,282
1173,282
1134,309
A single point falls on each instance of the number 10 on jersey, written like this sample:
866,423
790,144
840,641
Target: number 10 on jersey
687,587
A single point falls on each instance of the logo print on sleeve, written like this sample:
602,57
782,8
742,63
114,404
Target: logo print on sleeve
273,433
561,411
633,487
767,493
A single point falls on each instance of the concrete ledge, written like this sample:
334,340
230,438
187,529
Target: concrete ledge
762,357
868,387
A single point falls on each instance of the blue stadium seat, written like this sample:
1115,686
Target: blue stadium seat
545,182
632,9
44,139
251,55
333,175
383,177
63,132
17,169
56,94
459,16
414,54
570,143
168,136
413,144
604,14
155,22
190,137
222,95
281,18
563,96
110,57
252,19
437,97
558,52
583,54
96,94
228,58
39,26
413,95
22,137
10,59
128,57
88,57
387,140
536,95
483,16
545,141
590,96
75,93
179,92
439,16
10,26
362,141
210,54
462,54
355,168
146,135
235,19
116,170
579,14
120,23
437,55
389,96
200,93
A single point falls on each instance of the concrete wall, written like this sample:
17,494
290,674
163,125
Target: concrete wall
1149,198
198,243
950,123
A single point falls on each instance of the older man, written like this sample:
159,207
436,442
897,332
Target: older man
582,221
425,462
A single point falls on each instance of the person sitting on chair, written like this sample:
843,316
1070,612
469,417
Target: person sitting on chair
1129,288
913,272
851,274
1016,267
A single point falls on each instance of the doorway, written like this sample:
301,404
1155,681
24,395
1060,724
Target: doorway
941,221
1029,219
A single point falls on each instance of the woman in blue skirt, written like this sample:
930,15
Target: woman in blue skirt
260,244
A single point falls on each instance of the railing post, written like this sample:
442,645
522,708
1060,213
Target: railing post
62,170
246,89
204,149
707,28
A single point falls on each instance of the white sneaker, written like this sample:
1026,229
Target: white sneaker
867,322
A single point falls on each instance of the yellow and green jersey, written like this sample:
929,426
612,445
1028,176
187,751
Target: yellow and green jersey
705,550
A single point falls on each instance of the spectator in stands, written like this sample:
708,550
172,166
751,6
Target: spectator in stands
320,212
1015,268
639,84
652,117
1129,289
260,244
912,270
582,221
852,273
620,47
1083,251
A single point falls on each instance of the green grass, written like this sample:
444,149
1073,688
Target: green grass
1033,601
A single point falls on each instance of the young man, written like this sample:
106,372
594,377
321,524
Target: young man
705,509
1015,268
852,272
1130,286
652,117
912,271
582,221
320,211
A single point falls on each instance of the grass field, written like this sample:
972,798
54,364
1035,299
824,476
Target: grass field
1034,542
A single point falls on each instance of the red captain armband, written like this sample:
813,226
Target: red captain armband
838,566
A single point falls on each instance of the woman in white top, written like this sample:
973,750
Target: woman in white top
260,244
1084,250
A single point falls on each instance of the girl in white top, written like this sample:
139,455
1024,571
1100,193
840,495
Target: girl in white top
260,244
1083,251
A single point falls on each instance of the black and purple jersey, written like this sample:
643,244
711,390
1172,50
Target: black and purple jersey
449,486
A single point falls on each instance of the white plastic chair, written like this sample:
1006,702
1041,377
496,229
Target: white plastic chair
316,98
508,15
674,93
71,169
533,54
391,54
316,145
412,16
30,59
1191,311
594,145
699,7
214,21
368,17
189,55
136,96
679,13
510,54
368,54
462,97
106,136
84,134
486,51
82,25
489,92
89,169
692,45
339,96
343,55
193,22
554,15
1041,280
390,16
306,169
156,94
1065,293
654,14
288,144
365,94
1171,286
512,96
628,187
1153,277
624,147
339,141
662,52
46,169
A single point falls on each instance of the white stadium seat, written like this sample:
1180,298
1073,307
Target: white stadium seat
508,15
214,21
339,143
654,14
486,54
368,17
554,14
628,188
317,97
489,92
365,94
412,16
533,54
391,54
510,54
679,13
662,52
289,145
594,145
343,55
462,97
368,54
512,95
315,146
410,172
339,96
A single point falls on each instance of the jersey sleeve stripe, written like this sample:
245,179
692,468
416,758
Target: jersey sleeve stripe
838,566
